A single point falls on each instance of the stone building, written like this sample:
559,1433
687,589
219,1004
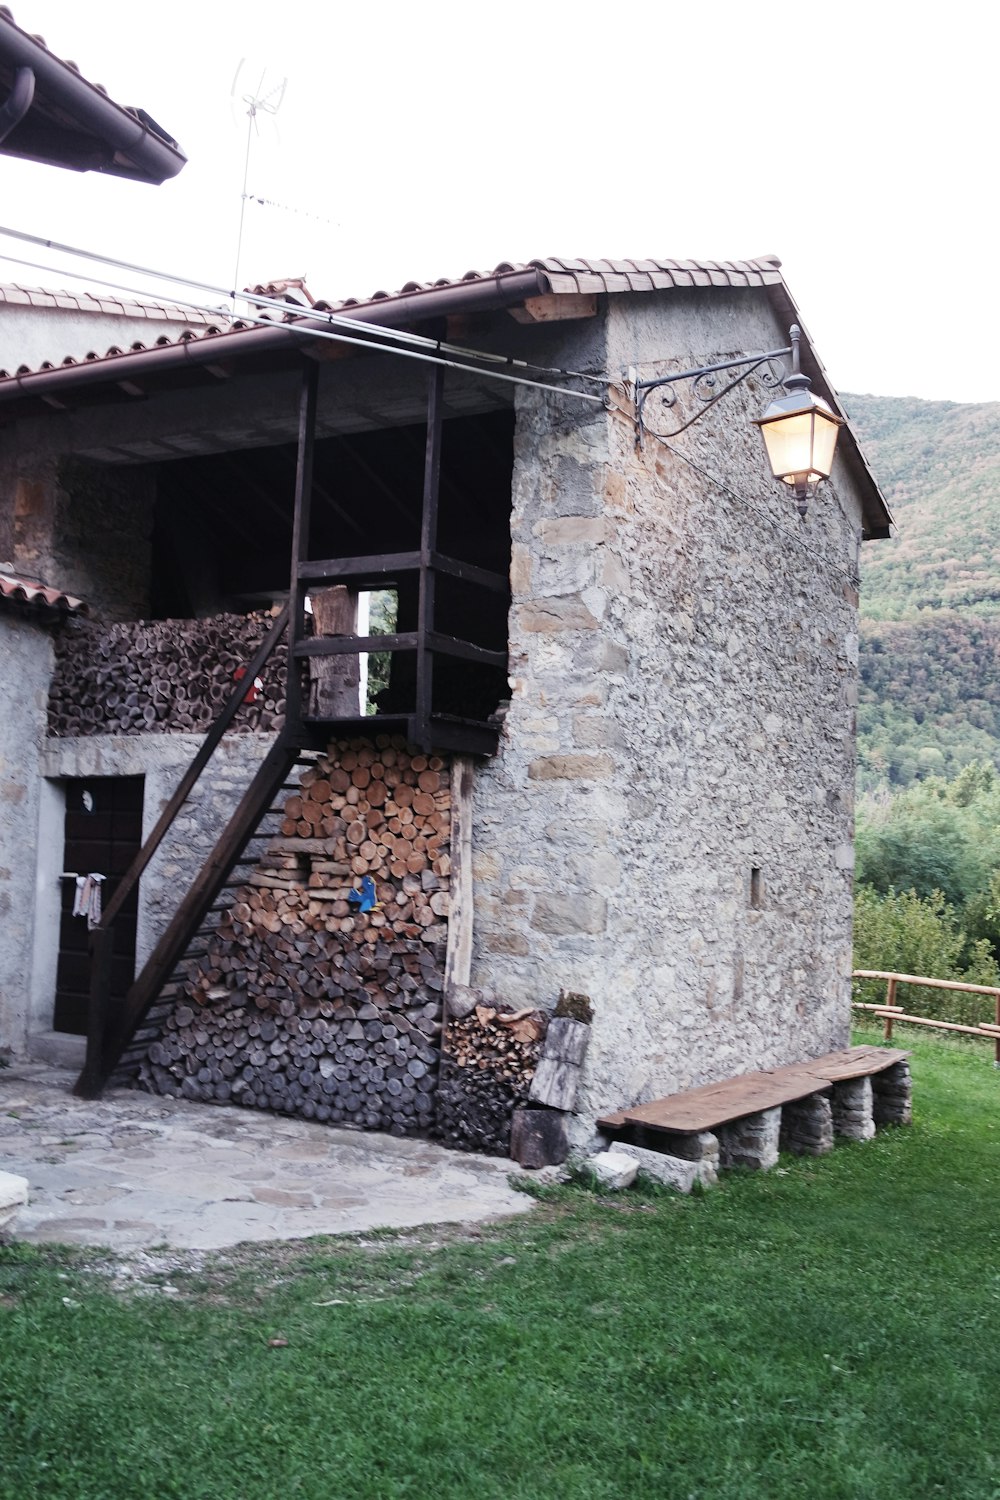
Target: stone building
627,664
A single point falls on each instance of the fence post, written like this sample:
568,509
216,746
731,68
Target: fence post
996,1018
890,999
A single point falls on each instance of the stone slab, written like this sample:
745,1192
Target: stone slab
671,1171
614,1169
135,1170
13,1197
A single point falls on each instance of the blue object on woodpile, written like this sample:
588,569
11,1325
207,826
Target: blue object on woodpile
365,899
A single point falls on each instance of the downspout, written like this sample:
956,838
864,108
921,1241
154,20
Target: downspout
18,102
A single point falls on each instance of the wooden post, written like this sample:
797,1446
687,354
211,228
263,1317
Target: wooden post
335,681
458,962
90,1082
890,999
996,1019
300,546
428,545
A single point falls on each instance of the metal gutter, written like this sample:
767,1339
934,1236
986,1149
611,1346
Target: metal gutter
215,348
154,154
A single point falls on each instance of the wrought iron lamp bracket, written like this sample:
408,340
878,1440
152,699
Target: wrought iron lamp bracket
702,384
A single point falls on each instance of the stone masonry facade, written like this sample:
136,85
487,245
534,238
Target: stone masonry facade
668,825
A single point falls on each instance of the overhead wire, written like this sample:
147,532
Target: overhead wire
333,319
295,330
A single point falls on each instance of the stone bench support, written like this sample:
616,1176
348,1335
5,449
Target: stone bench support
853,1113
807,1126
673,1171
892,1092
751,1141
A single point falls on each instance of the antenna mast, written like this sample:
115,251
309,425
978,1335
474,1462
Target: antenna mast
257,102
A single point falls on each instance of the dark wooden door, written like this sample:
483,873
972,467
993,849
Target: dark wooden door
103,835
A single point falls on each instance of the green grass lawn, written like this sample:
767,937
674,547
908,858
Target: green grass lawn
830,1330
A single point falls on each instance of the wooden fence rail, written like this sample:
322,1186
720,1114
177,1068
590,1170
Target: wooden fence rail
891,1012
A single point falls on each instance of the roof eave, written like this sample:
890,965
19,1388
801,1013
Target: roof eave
149,156
878,518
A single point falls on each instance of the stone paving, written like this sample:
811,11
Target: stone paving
134,1170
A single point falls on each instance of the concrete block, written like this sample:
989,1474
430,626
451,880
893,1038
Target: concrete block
853,1113
614,1169
672,1171
807,1126
892,1089
751,1141
13,1196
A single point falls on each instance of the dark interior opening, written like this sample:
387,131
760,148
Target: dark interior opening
223,528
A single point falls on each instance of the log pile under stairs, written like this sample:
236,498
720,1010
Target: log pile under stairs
320,990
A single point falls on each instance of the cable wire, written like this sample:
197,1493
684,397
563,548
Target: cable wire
296,330
330,317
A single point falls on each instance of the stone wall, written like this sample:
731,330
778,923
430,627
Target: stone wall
162,760
683,662
85,528
25,665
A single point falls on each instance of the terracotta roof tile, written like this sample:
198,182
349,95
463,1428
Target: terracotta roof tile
563,276
36,296
28,593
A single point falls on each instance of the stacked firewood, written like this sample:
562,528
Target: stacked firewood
168,676
490,1056
320,992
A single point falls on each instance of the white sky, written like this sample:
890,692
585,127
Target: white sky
857,141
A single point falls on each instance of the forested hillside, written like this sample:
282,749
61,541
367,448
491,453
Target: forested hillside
930,645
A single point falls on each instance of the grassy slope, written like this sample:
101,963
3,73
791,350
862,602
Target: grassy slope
828,1329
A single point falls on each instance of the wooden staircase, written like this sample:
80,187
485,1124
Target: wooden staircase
118,1039
115,1037
125,1039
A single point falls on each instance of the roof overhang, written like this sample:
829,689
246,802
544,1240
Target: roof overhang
49,113
280,344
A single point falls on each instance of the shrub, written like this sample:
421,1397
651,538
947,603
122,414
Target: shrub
911,934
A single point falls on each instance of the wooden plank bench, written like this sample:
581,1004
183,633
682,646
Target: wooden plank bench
845,1093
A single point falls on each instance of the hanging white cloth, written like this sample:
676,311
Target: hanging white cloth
87,901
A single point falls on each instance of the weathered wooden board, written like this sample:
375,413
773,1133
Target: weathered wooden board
715,1104
853,1062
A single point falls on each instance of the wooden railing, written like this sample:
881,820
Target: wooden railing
891,1012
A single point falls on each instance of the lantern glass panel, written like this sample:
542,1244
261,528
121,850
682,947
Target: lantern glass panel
824,443
789,442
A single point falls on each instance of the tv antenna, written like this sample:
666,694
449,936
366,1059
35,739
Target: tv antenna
259,101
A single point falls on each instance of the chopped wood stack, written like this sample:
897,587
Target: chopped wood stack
165,676
304,1002
489,1062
